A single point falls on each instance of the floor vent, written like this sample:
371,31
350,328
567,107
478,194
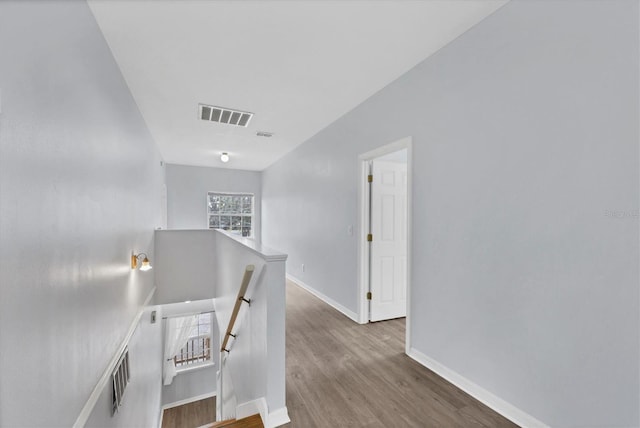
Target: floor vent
225,115
121,378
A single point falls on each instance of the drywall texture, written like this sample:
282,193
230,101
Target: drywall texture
185,265
80,188
525,199
187,188
191,384
141,402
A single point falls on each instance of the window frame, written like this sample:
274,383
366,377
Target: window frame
201,364
252,215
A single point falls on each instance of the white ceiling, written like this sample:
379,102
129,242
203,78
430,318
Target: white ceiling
297,64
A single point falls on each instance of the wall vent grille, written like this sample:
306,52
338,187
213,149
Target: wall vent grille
225,115
120,378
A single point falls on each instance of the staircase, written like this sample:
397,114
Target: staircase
249,422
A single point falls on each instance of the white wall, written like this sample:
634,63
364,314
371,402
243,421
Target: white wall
185,265
187,188
80,186
141,402
257,356
191,385
525,189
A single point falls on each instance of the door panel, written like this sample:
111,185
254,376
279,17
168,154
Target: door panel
389,245
387,222
387,277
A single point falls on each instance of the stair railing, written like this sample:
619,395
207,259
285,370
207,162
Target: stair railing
226,404
248,273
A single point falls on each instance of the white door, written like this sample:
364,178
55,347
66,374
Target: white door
388,269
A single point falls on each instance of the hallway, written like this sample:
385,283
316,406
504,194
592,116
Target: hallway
343,374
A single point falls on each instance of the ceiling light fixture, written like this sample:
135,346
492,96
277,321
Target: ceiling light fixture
224,157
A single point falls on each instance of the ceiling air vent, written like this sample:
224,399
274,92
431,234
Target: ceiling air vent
225,115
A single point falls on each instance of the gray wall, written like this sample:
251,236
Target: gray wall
190,384
185,265
525,225
187,188
80,188
140,407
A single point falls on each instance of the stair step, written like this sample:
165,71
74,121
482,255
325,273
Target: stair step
254,421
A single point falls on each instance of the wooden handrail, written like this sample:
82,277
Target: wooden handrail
248,272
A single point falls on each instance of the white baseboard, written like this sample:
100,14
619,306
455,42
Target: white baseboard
188,400
252,407
277,418
507,410
273,419
337,306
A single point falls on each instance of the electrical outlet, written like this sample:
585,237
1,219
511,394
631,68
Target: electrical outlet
302,267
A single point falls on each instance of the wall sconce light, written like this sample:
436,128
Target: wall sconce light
146,264
224,157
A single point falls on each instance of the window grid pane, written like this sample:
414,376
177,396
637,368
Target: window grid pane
231,212
198,347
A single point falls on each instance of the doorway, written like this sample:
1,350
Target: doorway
385,207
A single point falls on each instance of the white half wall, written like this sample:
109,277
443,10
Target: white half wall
187,188
525,207
257,356
185,265
80,189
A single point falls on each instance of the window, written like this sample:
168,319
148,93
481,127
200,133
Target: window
232,212
197,351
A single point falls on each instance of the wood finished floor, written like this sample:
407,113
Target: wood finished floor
190,415
342,374
254,421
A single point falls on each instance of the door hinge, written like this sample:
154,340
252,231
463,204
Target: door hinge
369,237
370,178
369,295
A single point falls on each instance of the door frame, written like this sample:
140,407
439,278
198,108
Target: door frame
363,212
